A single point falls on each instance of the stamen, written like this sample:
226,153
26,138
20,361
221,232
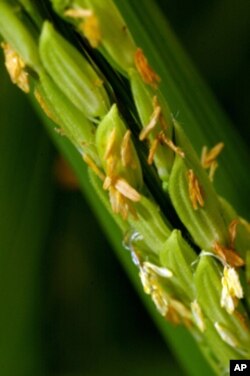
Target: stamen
127,191
178,313
144,69
232,229
15,67
44,107
90,26
160,301
159,270
152,150
226,335
213,168
91,30
171,145
242,320
228,255
126,151
161,137
111,167
109,152
78,13
194,190
198,315
107,184
208,158
93,166
152,286
151,125
173,316
231,289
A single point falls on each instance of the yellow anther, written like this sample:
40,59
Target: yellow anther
91,30
121,193
194,190
229,256
127,191
152,150
126,151
242,320
163,138
78,13
178,313
111,145
150,277
45,108
158,270
226,335
198,315
231,289
89,26
120,163
182,310
208,158
152,123
16,68
160,138
173,316
232,229
144,69
93,166
146,280
161,301
212,169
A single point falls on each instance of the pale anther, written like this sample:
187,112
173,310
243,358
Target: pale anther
194,190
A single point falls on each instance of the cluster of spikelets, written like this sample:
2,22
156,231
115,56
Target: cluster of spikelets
206,290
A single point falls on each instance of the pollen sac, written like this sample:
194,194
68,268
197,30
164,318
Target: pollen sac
226,335
155,281
195,199
231,289
207,279
148,75
209,158
238,229
152,285
102,24
157,124
118,156
72,73
120,163
198,316
18,36
16,68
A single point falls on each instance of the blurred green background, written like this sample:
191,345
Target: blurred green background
67,307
